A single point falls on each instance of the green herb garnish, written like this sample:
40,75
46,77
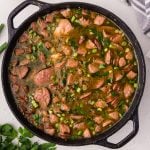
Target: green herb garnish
3,47
8,134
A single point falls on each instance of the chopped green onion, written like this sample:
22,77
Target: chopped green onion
1,27
117,31
62,118
78,90
124,43
107,22
80,133
135,85
34,104
50,111
135,63
106,49
105,74
102,66
127,50
73,18
110,71
75,54
88,75
99,109
33,48
84,87
115,68
94,50
113,93
3,47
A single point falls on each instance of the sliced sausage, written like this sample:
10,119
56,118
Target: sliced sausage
93,68
98,45
81,39
86,133
67,50
129,55
50,131
19,51
116,38
85,95
122,62
42,24
76,117
49,17
97,83
42,96
84,22
128,90
60,65
43,76
44,33
80,126
114,115
42,57
106,123
101,104
64,131
47,45
34,26
53,118
66,13
22,71
70,79
99,61
90,45
64,107
98,119
15,88
99,20
71,63
82,50
131,75
118,76
98,128
24,37
108,57
55,100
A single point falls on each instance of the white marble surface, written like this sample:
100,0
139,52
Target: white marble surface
142,140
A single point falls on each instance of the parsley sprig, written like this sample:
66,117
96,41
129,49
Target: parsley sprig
12,139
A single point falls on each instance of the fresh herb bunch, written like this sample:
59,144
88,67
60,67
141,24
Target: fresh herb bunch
5,44
12,139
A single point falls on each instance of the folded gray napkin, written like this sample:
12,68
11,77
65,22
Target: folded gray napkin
142,8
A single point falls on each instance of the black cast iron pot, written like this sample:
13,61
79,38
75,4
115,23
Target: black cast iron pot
14,35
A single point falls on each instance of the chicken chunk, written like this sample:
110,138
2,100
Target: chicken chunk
99,20
43,77
128,90
63,28
42,96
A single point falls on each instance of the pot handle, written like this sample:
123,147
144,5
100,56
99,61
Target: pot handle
135,120
19,8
